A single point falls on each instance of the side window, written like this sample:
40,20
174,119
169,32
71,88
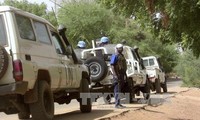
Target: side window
3,37
58,43
42,33
145,62
134,55
25,27
151,62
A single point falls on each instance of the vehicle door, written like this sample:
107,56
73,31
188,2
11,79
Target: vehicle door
135,61
71,75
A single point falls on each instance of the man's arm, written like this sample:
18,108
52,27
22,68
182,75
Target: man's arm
113,61
113,70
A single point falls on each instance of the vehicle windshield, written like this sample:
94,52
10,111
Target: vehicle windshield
148,62
3,37
151,62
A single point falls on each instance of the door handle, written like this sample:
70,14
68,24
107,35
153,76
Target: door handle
28,57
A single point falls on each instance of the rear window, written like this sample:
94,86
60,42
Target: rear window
148,62
3,37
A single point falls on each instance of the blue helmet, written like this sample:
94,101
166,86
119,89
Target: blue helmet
104,40
81,44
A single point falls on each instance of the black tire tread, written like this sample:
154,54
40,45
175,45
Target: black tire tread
37,109
158,86
146,90
164,86
103,65
23,115
4,60
85,89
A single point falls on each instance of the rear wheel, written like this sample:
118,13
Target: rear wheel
131,90
85,100
43,109
23,115
158,86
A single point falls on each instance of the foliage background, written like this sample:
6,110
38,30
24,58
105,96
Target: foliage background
132,21
188,68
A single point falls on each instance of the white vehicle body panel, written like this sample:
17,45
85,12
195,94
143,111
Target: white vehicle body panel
153,69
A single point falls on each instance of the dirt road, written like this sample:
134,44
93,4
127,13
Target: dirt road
178,104
183,106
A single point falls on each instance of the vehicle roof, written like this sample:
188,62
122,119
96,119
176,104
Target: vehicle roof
148,57
30,15
111,48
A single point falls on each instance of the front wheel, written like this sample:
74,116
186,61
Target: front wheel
85,97
43,109
146,90
164,86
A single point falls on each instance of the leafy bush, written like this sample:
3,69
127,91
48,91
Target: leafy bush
188,68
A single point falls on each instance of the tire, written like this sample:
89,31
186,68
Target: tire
131,90
43,109
164,86
23,115
3,61
146,90
85,108
98,68
158,86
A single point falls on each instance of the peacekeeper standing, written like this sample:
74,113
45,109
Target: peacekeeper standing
119,67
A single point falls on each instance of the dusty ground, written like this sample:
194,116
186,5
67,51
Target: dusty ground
183,106
179,104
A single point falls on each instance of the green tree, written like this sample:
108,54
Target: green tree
188,68
165,52
37,9
180,18
85,20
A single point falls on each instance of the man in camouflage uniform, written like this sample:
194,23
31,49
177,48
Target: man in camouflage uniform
119,67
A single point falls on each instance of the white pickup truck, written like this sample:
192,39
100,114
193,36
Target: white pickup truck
37,67
155,73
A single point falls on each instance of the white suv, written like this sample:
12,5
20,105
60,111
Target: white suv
98,60
155,73
37,67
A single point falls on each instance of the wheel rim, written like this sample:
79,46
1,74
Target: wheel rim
95,69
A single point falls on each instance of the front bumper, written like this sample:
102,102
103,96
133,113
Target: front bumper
152,79
14,88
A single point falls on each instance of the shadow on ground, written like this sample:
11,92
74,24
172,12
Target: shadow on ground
77,115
